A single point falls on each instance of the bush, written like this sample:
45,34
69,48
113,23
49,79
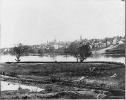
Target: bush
48,88
12,74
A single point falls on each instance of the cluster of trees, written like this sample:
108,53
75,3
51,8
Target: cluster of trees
79,50
23,50
19,51
32,50
28,50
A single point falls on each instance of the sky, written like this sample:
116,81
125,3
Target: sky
34,22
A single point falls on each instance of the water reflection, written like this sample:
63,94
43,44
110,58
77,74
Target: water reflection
14,86
98,57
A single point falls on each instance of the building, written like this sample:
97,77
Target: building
55,46
108,43
121,41
36,46
91,46
114,41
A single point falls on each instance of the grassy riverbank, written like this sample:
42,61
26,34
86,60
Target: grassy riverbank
57,78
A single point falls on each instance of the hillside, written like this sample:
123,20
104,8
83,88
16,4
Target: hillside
107,48
120,49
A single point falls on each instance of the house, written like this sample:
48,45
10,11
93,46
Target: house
36,46
99,45
114,41
60,46
91,46
55,46
103,44
95,45
108,43
121,41
6,50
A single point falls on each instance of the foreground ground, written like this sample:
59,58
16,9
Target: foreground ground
89,80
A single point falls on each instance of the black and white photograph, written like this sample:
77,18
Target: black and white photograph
62,49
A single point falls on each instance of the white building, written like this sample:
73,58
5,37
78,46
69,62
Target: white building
90,46
121,41
108,42
114,41
55,46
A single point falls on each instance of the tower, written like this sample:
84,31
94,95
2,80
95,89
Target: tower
54,40
80,37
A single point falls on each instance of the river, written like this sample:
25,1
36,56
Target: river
9,58
14,86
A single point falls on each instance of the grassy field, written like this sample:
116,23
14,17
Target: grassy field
57,78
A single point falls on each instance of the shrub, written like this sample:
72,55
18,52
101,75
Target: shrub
48,88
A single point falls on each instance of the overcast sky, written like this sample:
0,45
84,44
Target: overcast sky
38,21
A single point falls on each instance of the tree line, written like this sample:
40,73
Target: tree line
77,49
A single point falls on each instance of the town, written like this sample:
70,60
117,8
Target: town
59,47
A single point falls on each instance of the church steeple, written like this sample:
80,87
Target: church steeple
80,37
54,40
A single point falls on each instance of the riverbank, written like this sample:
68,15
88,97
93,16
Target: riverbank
68,78
112,50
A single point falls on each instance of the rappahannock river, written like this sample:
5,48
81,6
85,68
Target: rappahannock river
63,58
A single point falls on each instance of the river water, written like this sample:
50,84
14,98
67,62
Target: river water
14,86
9,58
